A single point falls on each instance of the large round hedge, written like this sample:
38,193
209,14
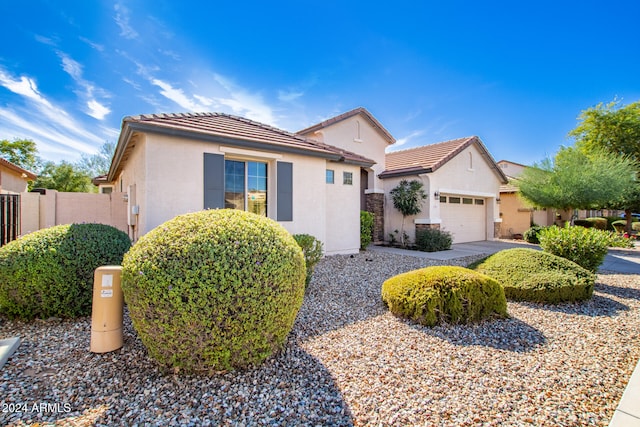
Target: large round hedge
530,275
446,294
49,273
214,290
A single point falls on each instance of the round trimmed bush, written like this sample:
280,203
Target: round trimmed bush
49,273
214,290
530,275
587,247
446,294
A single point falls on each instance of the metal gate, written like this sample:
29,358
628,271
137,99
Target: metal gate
9,217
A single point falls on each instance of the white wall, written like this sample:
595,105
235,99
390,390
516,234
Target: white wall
11,181
168,174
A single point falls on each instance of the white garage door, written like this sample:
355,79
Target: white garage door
465,217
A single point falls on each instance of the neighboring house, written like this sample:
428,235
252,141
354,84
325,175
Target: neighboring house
462,183
13,178
518,215
359,132
170,164
13,181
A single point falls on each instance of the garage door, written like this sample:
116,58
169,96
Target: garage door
465,217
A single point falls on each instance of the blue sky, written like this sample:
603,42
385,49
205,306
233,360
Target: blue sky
517,74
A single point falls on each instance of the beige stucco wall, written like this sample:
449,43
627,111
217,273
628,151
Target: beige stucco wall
370,144
343,211
168,175
468,174
11,181
38,211
516,217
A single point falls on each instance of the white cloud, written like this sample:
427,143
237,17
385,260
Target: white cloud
402,141
42,120
122,20
97,110
177,96
96,46
289,96
243,103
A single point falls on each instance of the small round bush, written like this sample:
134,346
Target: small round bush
586,247
433,240
312,251
530,275
599,223
49,273
214,290
444,294
531,235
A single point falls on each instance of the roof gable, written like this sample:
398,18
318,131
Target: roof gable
429,158
15,168
228,129
356,111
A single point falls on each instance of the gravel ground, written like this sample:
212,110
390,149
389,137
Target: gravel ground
349,361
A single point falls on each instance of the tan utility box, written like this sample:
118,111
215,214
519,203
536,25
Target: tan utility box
106,314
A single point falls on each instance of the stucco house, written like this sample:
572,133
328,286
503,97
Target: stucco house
518,215
314,181
462,183
170,164
13,178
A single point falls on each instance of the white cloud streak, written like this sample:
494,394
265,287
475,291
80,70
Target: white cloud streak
123,21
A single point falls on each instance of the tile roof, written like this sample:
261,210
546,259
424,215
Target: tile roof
430,158
229,129
360,110
6,163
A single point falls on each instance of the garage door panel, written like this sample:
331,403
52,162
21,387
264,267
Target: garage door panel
464,217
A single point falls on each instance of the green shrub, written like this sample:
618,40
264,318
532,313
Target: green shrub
214,290
532,234
619,241
531,275
446,294
599,223
583,223
366,229
586,247
312,251
619,225
49,273
433,240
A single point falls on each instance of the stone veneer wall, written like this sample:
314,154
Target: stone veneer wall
420,227
375,204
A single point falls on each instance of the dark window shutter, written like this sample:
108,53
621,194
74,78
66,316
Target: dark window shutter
213,181
284,173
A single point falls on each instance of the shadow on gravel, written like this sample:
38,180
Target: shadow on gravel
291,388
618,291
504,334
597,306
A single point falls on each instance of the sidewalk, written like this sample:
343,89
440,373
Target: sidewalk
621,261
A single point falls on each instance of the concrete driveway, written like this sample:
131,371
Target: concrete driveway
624,261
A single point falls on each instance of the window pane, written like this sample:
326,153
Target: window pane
443,199
234,184
257,188
466,201
479,201
347,178
454,199
329,176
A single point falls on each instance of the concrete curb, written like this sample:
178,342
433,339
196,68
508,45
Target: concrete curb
627,413
7,348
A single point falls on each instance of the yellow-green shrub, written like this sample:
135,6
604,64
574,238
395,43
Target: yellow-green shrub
446,294
214,290
49,273
530,275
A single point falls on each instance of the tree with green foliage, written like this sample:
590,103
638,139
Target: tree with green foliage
63,177
21,152
575,180
407,198
98,164
615,128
